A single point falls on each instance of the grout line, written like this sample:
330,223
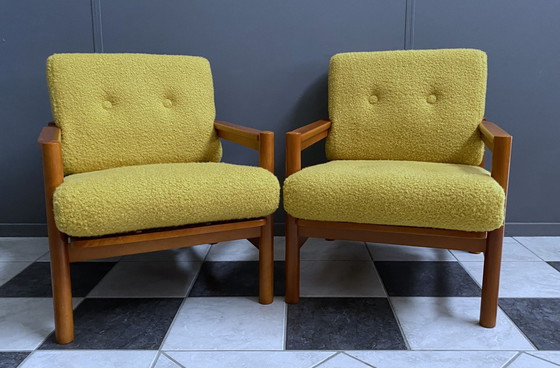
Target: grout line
541,358
325,360
285,330
506,315
359,360
173,360
526,247
514,358
156,358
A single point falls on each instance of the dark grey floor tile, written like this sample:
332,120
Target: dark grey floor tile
538,319
35,280
12,359
555,265
342,324
426,279
120,324
239,278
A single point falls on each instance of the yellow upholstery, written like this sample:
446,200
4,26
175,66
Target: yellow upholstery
419,105
132,109
406,193
160,195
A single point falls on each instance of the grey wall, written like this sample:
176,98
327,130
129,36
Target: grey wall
270,60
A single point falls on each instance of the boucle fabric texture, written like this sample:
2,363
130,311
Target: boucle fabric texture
132,109
405,193
141,197
413,105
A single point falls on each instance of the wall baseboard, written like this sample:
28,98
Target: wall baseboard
512,229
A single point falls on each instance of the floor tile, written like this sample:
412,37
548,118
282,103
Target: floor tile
430,359
47,258
391,252
22,249
343,360
426,279
164,361
25,322
546,247
340,278
539,319
35,280
227,324
556,265
10,269
91,359
512,251
12,359
243,250
342,324
318,249
522,279
452,324
250,359
239,278
147,279
120,324
195,253
551,356
528,361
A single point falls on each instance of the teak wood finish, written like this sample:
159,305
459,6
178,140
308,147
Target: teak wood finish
65,249
298,230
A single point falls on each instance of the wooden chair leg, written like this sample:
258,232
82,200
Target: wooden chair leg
266,263
61,287
491,278
292,261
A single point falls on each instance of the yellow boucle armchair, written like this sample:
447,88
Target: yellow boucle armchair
406,141
131,165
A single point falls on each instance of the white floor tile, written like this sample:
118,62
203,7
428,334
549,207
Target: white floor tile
512,251
164,362
528,361
452,324
242,250
431,359
391,252
227,324
546,247
522,279
25,322
195,253
250,359
10,269
343,360
551,356
22,249
340,278
147,279
90,359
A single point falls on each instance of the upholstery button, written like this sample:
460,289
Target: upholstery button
107,105
373,99
167,103
431,99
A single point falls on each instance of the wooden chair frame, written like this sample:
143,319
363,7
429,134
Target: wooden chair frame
298,230
65,249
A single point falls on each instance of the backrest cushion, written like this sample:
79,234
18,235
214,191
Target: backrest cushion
132,109
418,105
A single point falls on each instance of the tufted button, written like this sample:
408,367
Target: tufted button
431,99
373,99
107,105
167,103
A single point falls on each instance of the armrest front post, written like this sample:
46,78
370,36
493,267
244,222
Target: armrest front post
299,139
499,143
293,153
266,151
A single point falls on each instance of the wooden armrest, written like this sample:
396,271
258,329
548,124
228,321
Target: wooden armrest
299,139
499,142
312,133
50,135
490,132
260,140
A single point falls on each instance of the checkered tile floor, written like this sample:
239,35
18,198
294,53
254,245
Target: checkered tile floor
363,305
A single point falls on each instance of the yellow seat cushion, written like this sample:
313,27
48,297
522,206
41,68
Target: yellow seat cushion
405,193
141,197
132,109
413,105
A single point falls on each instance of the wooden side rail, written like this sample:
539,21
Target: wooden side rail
498,142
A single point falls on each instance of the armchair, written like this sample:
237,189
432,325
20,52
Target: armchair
405,141
131,165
